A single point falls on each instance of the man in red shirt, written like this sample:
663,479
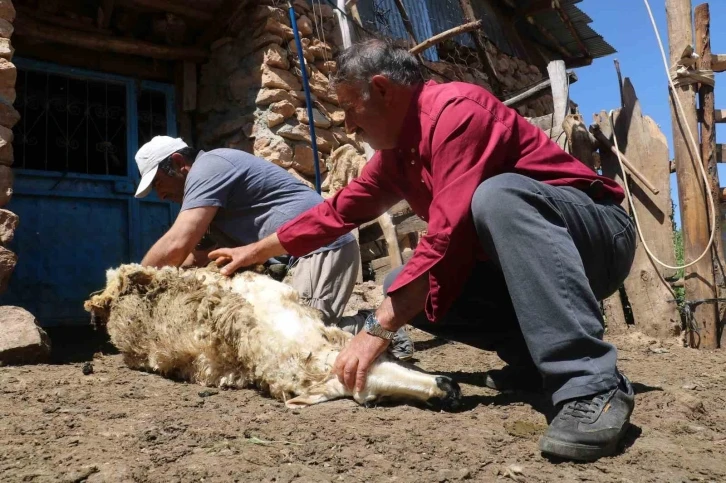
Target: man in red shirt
522,241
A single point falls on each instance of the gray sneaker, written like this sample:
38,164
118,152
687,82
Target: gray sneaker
401,346
589,428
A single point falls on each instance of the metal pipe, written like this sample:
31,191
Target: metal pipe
306,88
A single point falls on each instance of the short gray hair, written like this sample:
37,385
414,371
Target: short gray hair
361,61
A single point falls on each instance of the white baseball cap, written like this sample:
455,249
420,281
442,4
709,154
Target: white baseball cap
150,156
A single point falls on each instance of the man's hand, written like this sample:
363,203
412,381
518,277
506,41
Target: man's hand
352,364
234,258
230,259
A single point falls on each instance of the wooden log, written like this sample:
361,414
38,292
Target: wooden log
185,11
646,289
536,91
373,231
691,192
614,314
708,147
481,51
548,35
579,140
71,23
33,30
438,38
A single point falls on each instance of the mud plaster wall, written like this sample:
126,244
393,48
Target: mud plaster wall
251,95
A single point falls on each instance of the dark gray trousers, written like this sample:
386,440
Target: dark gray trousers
554,253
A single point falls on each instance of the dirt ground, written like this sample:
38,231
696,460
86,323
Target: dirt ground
119,425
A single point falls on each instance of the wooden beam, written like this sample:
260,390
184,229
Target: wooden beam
29,13
193,13
720,152
691,192
535,91
718,62
438,38
719,115
33,30
708,149
546,34
566,19
560,97
481,51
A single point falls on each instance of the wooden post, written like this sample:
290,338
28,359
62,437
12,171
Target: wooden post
691,192
708,144
481,50
560,88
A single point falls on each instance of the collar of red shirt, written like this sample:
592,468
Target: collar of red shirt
410,135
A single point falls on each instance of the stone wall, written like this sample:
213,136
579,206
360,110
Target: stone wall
8,118
251,96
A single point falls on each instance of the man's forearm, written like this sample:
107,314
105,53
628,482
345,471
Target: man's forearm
165,253
403,305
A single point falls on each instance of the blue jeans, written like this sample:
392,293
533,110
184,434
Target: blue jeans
553,254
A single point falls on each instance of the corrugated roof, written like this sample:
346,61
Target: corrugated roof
551,21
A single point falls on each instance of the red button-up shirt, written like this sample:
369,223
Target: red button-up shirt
454,136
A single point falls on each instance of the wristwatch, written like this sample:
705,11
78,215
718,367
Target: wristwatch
373,327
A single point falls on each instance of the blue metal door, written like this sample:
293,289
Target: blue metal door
75,176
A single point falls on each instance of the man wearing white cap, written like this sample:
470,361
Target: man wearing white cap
238,199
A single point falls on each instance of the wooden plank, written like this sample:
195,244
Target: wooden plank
647,148
691,192
707,102
30,29
535,91
190,87
579,140
373,231
560,89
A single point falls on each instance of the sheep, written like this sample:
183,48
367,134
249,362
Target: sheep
199,326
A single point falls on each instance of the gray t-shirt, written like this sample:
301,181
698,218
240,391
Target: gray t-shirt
254,196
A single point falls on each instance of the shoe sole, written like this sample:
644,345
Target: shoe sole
579,452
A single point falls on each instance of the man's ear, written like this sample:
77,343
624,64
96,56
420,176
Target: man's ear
178,161
383,86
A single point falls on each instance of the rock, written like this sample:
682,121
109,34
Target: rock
6,49
87,368
8,77
283,107
227,128
8,260
21,340
300,96
319,119
309,56
296,67
273,149
303,161
301,6
346,165
7,11
208,393
220,42
301,178
9,116
263,12
534,69
6,185
6,146
278,28
265,39
327,67
6,29
305,25
267,96
320,86
300,132
344,138
8,224
274,56
320,50
280,79
274,119
325,10
334,113
241,81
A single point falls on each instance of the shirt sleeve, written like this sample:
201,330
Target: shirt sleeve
208,183
365,198
468,144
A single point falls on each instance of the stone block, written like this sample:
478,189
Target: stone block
6,185
334,113
300,132
327,67
8,224
265,39
301,178
274,56
305,42
242,80
9,116
273,149
319,119
6,146
344,138
8,77
263,12
320,86
6,49
8,260
320,50
279,79
274,119
278,28
304,162
267,96
21,340
6,29
284,107
7,11
305,26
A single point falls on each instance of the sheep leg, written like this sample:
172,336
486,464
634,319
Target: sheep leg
388,379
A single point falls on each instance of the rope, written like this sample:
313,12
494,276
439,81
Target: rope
679,111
